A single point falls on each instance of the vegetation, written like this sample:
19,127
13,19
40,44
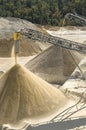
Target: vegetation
49,12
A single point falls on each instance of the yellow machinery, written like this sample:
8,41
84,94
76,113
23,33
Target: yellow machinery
17,37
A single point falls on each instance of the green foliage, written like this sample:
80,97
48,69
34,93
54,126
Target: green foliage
49,12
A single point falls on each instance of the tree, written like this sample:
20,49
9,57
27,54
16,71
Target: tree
42,11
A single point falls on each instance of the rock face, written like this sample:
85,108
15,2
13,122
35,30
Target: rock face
7,28
54,65
25,98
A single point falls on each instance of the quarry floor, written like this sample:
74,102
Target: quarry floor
6,63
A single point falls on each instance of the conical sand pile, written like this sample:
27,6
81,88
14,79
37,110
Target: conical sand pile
27,47
25,97
54,65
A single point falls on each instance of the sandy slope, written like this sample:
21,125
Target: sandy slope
54,65
25,97
27,47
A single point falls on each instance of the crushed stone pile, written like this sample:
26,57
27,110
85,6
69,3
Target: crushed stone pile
27,47
25,98
54,65
10,25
